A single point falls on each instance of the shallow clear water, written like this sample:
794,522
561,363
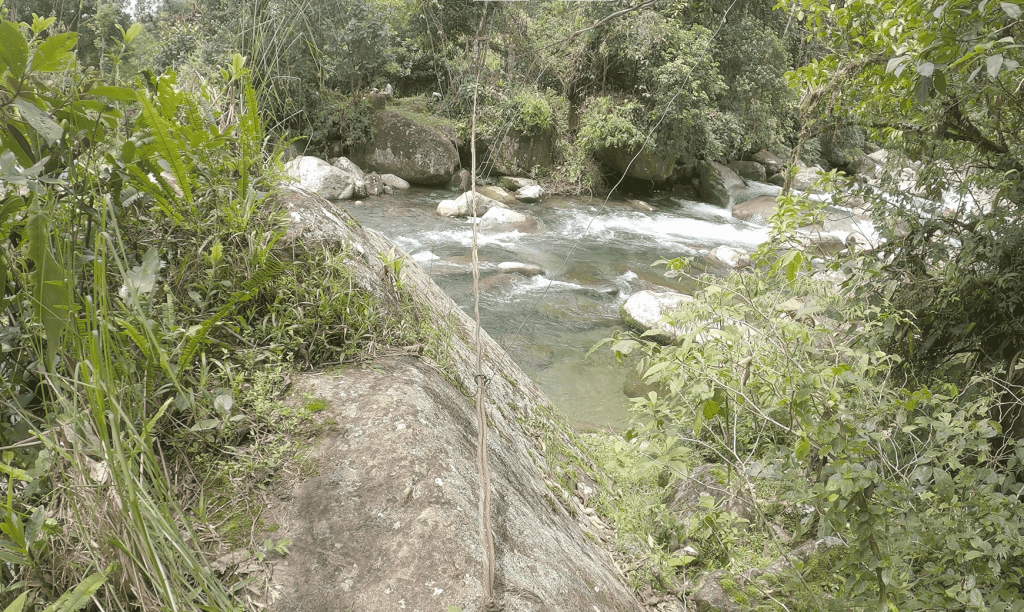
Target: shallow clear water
594,255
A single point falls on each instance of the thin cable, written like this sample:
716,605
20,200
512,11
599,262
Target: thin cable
604,205
486,534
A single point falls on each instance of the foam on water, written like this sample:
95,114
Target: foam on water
710,226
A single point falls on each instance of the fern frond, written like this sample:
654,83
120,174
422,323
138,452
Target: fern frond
270,270
167,147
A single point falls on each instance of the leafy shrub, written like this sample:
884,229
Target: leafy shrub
608,122
779,367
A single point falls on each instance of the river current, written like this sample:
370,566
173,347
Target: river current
594,256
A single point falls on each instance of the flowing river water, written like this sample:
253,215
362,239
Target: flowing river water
594,255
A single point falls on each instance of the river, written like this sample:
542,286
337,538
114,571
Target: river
594,255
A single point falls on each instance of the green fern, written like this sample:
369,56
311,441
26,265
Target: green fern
167,146
270,270
80,596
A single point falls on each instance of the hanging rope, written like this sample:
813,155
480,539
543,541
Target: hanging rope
486,534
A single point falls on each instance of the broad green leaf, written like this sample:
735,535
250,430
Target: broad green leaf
803,448
121,94
3,283
141,280
50,300
205,424
15,473
13,49
54,54
39,24
993,63
34,525
926,69
128,151
1011,9
132,31
48,129
18,604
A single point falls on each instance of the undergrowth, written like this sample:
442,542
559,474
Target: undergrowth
150,320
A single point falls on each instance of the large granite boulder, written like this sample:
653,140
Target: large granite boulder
756,211
727,258
515,183
498,219
772,163
520,154
405,148
321,178
384,513
718,184
530,194
496,193
750,170
649,165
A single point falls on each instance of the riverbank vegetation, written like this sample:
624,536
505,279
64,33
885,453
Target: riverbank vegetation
149,316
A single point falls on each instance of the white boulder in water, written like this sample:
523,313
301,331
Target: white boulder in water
644,311
530,193
462,206
521,268
394,182
727,257
320,177
348,166
507,220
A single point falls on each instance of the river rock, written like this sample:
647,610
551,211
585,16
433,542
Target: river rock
806,176
496,193
374,184
750,170
321,178
756,211
711,596
498,219
649,165
644,310
515,183
719,184
521,268
403,147
462,206
518,154
461,180
347,165
390,180
778,179
530,194
818,240
727,257
772,163
684,496
388,515
640,205
496,281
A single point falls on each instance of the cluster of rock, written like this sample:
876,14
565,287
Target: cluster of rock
341,179
491,204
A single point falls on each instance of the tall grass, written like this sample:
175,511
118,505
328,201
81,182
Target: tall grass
140,292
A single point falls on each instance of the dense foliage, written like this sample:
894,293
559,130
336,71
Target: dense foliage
145,312
938,84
